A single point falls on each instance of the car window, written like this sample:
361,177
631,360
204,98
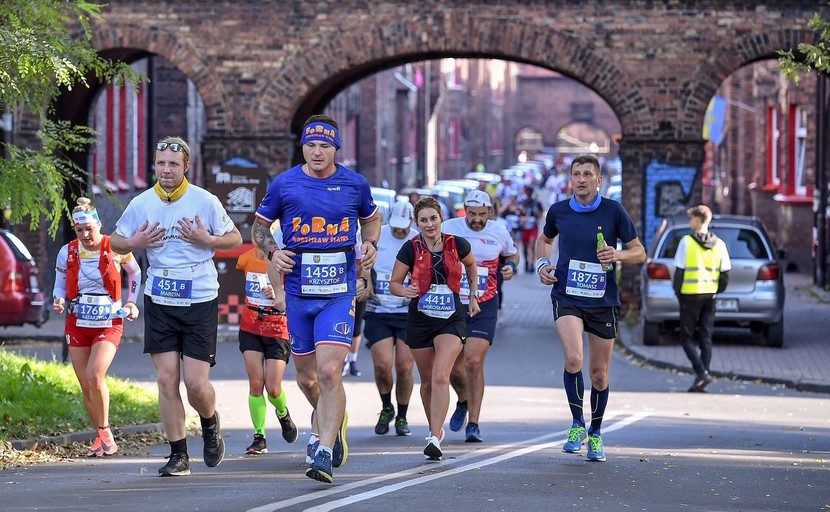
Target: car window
20,250
741,243
669,247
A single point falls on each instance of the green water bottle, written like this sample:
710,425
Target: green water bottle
600,244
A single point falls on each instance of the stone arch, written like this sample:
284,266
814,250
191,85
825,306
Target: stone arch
352,56
181,54
710,74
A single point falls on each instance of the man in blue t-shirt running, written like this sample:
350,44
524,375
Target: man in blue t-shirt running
319,205
585,294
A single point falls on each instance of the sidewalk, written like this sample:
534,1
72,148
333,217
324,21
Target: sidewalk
738,354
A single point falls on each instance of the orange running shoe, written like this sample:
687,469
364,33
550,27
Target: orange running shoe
96,450
108,446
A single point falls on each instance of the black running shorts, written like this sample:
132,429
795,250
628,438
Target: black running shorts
421,329
272,348
601,322
189,330
359,311
380,326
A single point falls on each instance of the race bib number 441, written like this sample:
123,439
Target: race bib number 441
438,302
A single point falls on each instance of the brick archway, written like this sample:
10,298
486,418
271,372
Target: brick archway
181,54
710,74
354,55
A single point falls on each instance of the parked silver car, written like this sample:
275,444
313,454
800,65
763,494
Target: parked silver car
754,297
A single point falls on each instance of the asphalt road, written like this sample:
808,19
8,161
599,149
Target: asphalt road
742,446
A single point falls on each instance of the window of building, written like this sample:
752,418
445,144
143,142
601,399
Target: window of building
800,180
773,135
797,152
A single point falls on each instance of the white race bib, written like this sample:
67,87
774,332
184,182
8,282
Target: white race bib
323,273
94,311
384,296
438,302
255,284
482,272
172,286
586,279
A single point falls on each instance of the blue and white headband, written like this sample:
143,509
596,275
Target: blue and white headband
85,217
321,132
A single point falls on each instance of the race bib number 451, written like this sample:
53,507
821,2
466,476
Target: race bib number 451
172,287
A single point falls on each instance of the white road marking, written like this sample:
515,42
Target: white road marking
528,446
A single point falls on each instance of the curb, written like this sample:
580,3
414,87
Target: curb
798,385
82,436
223,335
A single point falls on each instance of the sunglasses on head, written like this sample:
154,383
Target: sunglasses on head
172,146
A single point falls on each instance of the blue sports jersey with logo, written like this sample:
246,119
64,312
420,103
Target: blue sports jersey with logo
319,220
580,280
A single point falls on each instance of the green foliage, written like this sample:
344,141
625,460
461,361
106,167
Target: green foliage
27,171
41,398
40,57
810,56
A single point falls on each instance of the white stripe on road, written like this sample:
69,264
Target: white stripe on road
529,446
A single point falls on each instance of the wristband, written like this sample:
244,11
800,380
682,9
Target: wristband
511,265
373,242
540,264
365,282
271,253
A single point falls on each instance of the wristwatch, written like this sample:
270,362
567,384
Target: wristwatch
478,294
373,242
271,253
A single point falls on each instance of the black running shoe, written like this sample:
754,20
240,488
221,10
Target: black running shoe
701,381
402,427
214,450
178,464
259,445
289,429
386,416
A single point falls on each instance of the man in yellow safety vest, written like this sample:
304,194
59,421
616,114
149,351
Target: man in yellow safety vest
702,270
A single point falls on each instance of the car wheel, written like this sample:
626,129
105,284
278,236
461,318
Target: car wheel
44,317
774,334
651,333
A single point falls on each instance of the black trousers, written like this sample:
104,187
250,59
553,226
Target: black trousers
697,314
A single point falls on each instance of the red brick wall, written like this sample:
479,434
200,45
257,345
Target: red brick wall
262,67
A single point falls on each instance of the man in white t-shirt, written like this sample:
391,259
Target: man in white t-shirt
490,241
181,226
385,323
